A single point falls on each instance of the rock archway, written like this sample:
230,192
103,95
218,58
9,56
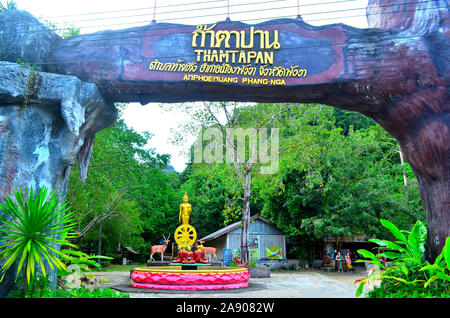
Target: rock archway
395,72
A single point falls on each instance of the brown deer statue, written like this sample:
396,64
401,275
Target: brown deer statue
209,250
160,248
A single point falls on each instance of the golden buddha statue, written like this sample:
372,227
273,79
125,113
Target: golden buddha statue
185,234
185,210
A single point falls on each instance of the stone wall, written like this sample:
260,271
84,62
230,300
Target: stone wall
47,121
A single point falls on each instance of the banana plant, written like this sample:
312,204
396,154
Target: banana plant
441,268
405,255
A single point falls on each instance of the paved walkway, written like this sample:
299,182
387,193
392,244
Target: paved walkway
301,284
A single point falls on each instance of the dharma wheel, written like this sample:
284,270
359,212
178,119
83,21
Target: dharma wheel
185,235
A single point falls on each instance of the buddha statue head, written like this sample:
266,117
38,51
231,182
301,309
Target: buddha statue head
185,197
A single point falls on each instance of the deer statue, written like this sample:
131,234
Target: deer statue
209,250
160,248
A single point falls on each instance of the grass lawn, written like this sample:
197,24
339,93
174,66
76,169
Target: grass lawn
121,268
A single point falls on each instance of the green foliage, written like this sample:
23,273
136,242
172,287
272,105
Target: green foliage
82,259
393,289
32,228
349,121
10,5
339,173
138,244
65,31
212,191
84,292
336,183
439,271
39,288
407,273
126,191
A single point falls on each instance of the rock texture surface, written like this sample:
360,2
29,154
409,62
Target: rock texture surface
45,121
24,39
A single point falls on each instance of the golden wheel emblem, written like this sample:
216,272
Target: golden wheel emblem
185,235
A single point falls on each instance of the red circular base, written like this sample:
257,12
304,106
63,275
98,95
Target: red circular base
189,287
176,279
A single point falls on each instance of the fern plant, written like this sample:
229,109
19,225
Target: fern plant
82,259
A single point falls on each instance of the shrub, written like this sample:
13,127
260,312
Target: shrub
39,289
10,5
32,229
408,274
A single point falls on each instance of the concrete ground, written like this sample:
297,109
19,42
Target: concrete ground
299,284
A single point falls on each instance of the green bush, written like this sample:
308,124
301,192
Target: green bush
10,5
84,292
32,228
392,289
408,274
39,288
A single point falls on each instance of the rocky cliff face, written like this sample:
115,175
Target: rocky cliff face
47,121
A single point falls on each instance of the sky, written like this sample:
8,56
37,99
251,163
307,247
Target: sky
95,15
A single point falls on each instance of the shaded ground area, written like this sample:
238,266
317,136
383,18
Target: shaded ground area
301,284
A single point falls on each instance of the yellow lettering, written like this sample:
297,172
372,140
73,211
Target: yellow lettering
251,39
259,58
268,58
242,57
251,55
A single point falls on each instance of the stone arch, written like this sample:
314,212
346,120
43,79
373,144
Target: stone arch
395,72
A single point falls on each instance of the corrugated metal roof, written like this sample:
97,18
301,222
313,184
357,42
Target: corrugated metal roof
232,227
129,249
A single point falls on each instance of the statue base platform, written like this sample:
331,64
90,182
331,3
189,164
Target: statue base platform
191,267
195,277
157,263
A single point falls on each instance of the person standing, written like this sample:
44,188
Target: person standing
348,260
340,259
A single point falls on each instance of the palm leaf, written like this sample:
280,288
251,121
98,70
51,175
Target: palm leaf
32,226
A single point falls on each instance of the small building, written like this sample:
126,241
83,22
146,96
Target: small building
267,243
127,253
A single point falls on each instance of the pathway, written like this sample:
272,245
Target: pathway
301,284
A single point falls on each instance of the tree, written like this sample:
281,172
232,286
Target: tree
239,133
126,190
337,183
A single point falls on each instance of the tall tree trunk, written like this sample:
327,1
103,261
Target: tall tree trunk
99,252
245,236
402,161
